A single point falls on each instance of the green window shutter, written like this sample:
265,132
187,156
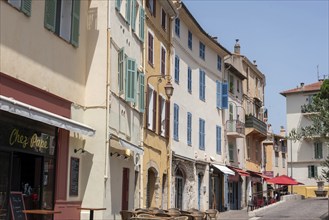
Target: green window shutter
130,80
26,7
315,171
141,23
50,14
142,92
121,65
128,10
117,4
75,23
133,15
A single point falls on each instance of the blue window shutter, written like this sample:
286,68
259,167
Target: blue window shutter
75,23
177,69
218,140
202,85
142,92
141,23
225,95
177,27
128,9
189,128
189,80
219,63
201,134
118,4
218,95
50,14
133,15
130,80
26,7
176,119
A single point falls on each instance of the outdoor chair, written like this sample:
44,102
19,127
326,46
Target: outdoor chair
126,215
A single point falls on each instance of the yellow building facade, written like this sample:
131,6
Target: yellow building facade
156,166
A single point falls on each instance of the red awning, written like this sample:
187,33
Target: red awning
253,173
283,180
240,171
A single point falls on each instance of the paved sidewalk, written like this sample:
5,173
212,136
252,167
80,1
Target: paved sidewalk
234,214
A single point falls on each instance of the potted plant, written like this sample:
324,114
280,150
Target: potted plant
320,192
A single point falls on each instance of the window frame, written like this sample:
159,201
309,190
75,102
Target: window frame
189,40
163,60
150,48
202,50
176,122
189,80
164,19
177,68
177,27
202,134
189,129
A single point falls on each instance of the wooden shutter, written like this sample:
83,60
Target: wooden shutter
155,95
167,118
26,7
125,189
141,23
75,23
141,92
128,10
50,14
159,114
218,94
130,80
225,95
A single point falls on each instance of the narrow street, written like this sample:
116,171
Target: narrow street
312,208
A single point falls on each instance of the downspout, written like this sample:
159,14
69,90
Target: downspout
107,139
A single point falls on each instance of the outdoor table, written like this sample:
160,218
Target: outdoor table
91,211
41,212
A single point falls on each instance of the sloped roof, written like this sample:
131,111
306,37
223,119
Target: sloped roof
313,87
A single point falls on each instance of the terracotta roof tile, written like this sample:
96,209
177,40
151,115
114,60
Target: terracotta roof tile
306,88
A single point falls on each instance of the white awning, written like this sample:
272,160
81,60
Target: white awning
28,111
131,147
224,169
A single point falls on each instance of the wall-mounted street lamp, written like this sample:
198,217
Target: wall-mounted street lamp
169,89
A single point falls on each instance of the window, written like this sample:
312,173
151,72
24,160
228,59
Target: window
179,189
189,129
219,63
312,171
189,80
177,69
128,11
163,19
150,4
218,140
276,159
151,110
134,10
189,42
176,118
141,91
318,153
231,81
163,123
202,85
177,27
62,18
118,4
238,86
121,69
163,60
218,94
125,189
202,51
283,160
224,95
231,117
22,5
231,152
141,23
202,134
131,75
150,48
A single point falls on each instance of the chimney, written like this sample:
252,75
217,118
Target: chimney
255,63
237,47
301,84
282,131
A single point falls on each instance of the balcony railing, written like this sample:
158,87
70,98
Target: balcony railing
253,122
235,126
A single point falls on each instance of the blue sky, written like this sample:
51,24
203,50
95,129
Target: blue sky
288,39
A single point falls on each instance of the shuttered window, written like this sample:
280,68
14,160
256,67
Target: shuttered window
141,92
121,69
312,171
163,61
202,85
224,95
141,23
177,27
131,80
128,11
218,94
22,5
202,51
133,14
189,41
162,116
318,152
150,48
189,129
189,80
63,18
150,108
177,60
218,140
118,4
176,121
202,134
219,63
